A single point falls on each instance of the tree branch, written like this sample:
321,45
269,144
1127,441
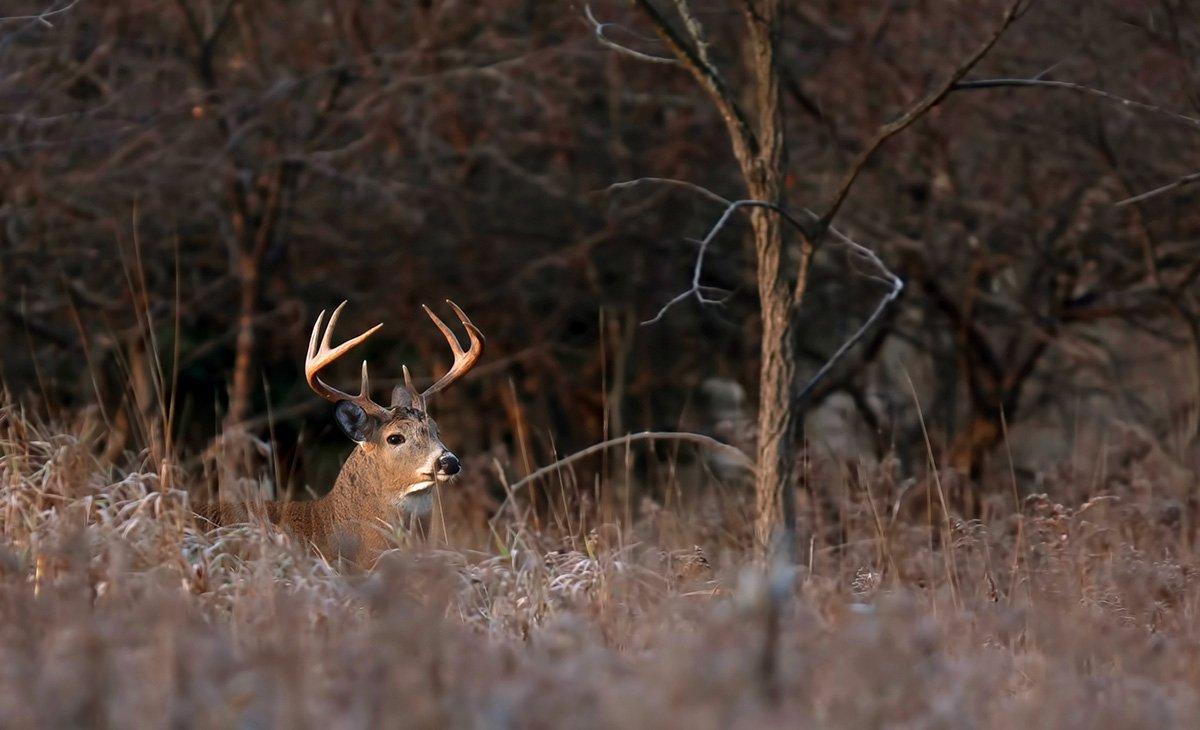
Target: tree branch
918,110
1078,88
698,189
709,79
1174,185
40,18
697,289
598,29
897,286
626,440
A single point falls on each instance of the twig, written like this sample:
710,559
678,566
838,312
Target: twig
709,78
603,40
1079,88
41,17
1179,183
694,30
1039,82
918,110
897,286
628,439
700,190
697,289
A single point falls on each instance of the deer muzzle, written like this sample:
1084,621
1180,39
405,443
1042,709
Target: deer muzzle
448,465
440,469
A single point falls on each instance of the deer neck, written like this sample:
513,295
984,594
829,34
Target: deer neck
347,520
358,488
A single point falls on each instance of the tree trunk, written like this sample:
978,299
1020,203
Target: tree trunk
242,383
758,144
778,420
778,290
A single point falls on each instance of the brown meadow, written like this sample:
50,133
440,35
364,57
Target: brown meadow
1077,609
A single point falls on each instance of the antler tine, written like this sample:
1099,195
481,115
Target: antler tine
312,339
320,355
417,399
408,381
463,360
333,319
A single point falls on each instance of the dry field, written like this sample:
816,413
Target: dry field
1077,610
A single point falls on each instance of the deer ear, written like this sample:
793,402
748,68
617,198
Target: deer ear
353,421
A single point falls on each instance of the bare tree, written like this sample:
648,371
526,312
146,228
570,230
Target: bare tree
757,135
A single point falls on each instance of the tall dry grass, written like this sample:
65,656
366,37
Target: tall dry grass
1074,607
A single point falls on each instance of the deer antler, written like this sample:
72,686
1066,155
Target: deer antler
463,361
320,355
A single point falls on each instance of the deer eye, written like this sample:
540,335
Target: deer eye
395,439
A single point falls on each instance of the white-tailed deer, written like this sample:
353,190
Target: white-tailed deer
394,468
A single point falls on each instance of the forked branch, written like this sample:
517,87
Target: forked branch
697,289
696,61
896,286
918,110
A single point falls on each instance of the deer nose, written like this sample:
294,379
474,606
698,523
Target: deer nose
448,464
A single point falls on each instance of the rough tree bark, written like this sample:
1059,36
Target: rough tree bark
780,289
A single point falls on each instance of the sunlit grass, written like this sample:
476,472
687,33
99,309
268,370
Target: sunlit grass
117,607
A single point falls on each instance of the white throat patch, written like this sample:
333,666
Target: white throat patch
416,503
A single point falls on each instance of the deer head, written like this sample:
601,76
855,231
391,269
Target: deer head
400,456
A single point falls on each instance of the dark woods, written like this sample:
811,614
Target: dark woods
185,185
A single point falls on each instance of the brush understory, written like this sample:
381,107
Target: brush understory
1076,608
